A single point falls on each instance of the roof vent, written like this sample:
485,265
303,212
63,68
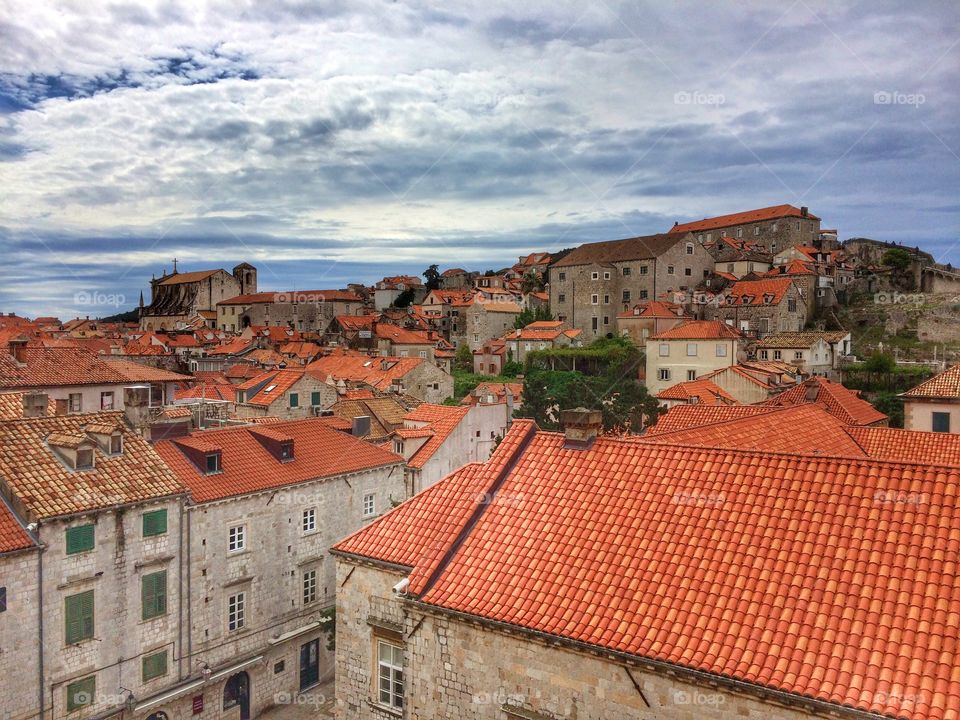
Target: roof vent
580,427
361,426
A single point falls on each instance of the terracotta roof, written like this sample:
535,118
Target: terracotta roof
699,330
135,372
703,391
637,248
758,292
51,367
378,372
799,574
401,336
681,417
845,404
749,216
48,488
504,307
944,385
264,389
188,277
289,296
11,405
497,389
385,413
233,347
242,370
794,267
798,340
320,451
13,536
654,309
357,322
208,391
441,420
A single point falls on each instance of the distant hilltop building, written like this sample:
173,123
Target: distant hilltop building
772,228
179,298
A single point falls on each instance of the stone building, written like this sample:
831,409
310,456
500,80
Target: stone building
811,352
406,376
773,228
934,405
301,310
289,394
178,298
266,503
689,351
739,257
750,381
482,321
761,307
540,335
387,291
556,580
596,281
649,318
442,309
103,631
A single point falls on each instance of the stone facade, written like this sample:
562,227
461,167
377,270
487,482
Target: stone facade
307,389
759,317
480,322
19,631
457,669
669,362
589,296
918,414
772,235
178,298
311,311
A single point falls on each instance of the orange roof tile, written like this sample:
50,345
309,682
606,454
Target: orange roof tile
845,404
944,385
703,391
700,330
681,417
13,536
637,248
378,372
320,451
749,216
821,577
264,389
188,277
769,291
441,420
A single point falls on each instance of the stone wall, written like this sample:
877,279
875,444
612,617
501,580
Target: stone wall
19,633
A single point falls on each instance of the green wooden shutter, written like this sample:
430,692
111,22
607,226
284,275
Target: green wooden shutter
315,398
294,400
78,617
154,523
154,666
80,539
81,693
153,594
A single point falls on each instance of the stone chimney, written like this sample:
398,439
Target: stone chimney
34,404
804,211
18,349
811,392
580,427
360,426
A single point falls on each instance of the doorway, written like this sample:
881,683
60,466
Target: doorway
309,664
237,692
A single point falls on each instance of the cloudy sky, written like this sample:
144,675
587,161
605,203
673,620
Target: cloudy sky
337,141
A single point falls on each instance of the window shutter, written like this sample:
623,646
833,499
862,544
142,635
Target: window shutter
154,523
78,617
154,594
315,398
154,665
80,539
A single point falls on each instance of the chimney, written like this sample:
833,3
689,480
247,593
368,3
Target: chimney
136,405
580,427
34,404
18,349
811,392
804,211
61,408
361,426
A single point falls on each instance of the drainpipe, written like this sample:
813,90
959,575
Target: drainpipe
40,632
180,592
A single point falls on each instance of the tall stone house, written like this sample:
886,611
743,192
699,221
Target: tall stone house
934,405
404,376
481,321
179,298
688,352
811,352
266,503
761,307
772,228
301,310
595,282
540,335
649,318
573,576
94,600
289,394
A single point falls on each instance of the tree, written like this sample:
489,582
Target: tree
897,258
404,299
463,360
531,282
529,315
880,363
892,405
432,275
511,369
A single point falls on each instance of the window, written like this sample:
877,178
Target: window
606,276
689,248
594,323
688,272
691,349
153,594
423,354
154,665
664,349
369,505
764,355
236,611
315,398
390,674
626,296
709,236
606,299
606,320
791,305
106,400
664,374
78,617
154,523
561,276
116,444
398,447
644,269
84,458
80,539
561,297
309,520
3,599
756,230
739,232
213,463
691,375
644,294
294,400
777,355
721,350
81,693
76,402
595,276
798,355
798,224
670,270
236,538
309,586
626,271
594,299
940,422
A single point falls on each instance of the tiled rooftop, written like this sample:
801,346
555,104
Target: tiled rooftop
749,216
944,385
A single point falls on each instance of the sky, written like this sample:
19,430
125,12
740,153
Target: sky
337,142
